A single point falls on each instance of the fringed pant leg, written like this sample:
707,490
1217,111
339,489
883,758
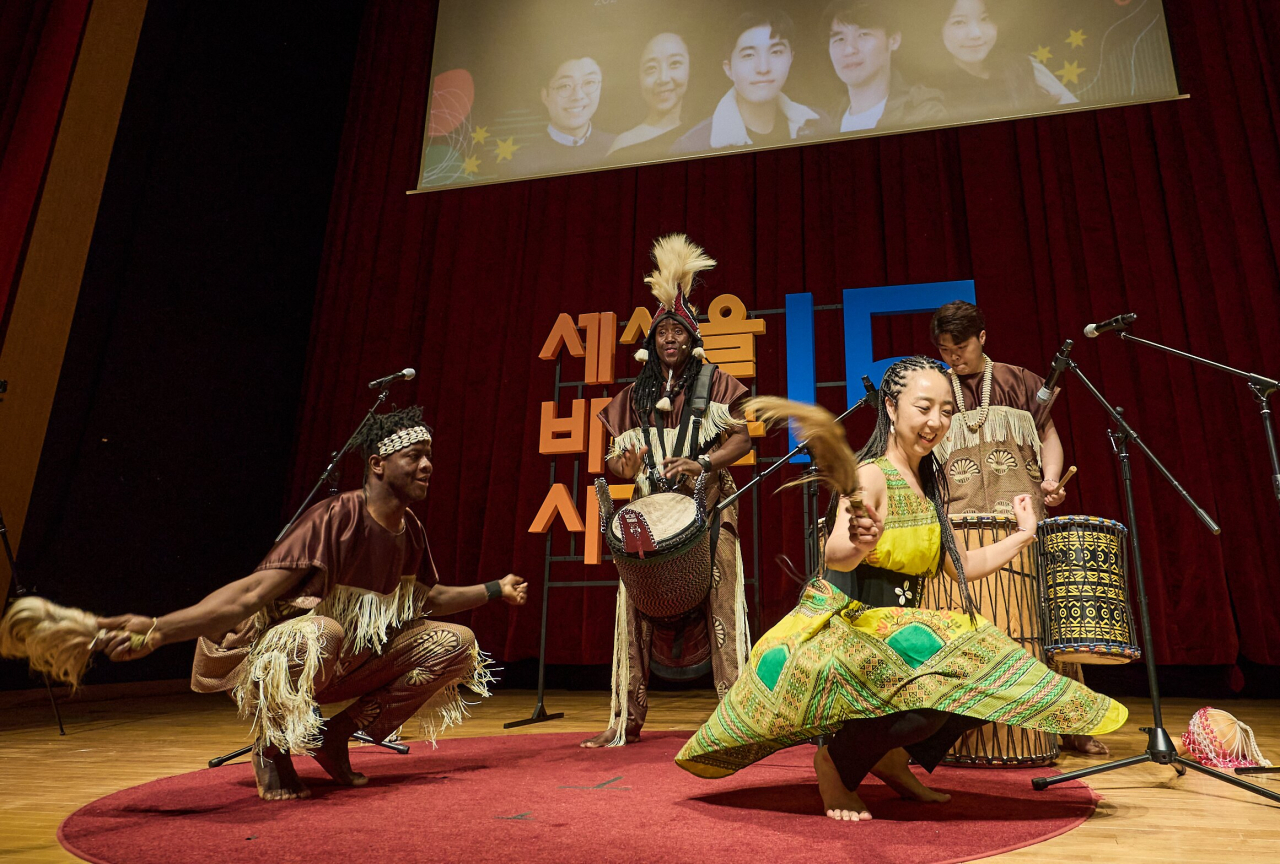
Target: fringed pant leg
420,661
726,613
291,662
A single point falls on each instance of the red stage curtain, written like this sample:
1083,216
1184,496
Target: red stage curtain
1171,211
38,44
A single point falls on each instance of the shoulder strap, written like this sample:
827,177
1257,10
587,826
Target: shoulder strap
695,407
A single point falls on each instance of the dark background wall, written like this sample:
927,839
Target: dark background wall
168,466
163,473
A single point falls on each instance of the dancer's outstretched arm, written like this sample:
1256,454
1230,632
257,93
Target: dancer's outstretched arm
981,563
212,617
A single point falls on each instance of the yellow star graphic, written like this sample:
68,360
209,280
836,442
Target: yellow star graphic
1070,73
471,165
481,133
1076,39
506,149
1042,54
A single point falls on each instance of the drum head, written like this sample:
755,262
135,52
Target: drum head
667,514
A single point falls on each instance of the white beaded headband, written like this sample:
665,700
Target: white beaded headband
403,439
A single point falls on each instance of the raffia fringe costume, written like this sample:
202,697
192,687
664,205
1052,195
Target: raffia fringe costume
724,612
355,629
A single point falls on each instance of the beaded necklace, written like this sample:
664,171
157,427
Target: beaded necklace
985,407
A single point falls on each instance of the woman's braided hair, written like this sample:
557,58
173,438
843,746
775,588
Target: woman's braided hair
933,480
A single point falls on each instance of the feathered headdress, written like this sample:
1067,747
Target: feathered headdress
823,437
679,260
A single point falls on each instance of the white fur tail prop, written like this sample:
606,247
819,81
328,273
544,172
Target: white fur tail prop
57,641
679,259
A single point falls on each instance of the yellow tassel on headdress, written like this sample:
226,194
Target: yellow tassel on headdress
679,259
823,436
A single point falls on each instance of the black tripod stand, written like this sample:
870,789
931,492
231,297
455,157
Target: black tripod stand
1160,748
324,478
17,590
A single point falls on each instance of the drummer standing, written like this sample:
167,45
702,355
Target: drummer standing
1002,442
662,445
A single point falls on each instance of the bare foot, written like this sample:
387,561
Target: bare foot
1086,744
334,757
277,781
605,738
897,775
838,802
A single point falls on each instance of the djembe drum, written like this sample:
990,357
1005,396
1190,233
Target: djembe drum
661,545
1012,600
1085,564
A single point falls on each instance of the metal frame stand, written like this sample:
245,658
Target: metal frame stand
1160,749
16,590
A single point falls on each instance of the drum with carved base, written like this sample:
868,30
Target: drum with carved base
1012,600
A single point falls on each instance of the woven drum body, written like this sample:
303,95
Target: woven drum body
1085,568
1012,600
676,576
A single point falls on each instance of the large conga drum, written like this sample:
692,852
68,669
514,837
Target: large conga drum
1012,600
1086,564
661,546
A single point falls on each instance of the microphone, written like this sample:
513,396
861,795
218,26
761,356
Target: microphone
866,383
404,374
1120,322
1060,362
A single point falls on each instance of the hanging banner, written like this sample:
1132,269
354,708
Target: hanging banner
535,88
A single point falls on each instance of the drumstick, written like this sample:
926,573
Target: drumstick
1071,472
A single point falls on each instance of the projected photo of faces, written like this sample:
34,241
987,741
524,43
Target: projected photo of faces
540,88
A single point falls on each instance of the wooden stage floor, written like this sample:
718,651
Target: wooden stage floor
1147,814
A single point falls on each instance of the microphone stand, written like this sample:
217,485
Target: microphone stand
1160,748
324,478
333,463
813,542
1261,387
16,590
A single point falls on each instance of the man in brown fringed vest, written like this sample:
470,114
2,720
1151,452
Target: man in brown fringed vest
336,611
1002,442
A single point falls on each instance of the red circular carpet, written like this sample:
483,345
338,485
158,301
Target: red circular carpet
525,798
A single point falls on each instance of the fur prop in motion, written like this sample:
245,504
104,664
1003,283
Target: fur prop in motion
57,641
823,437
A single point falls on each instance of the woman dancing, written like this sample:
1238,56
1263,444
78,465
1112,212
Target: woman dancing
885,679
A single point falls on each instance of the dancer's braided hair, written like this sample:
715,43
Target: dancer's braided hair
933,480
651,383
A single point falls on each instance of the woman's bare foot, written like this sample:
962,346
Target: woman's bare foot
605,738
838,802
277,781
333,755
1086,744
897,775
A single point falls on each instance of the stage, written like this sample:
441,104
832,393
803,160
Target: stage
1146,814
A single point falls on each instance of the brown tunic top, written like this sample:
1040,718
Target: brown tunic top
340,544
1011,386
619,416
987,468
